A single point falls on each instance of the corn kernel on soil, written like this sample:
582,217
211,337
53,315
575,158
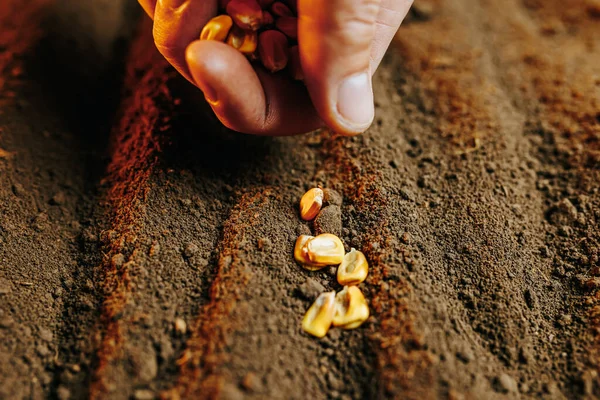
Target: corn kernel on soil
315,252
311,203
263,30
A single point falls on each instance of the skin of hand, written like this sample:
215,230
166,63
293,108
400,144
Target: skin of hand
341,44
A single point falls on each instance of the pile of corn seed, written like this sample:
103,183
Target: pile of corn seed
263,30
347,309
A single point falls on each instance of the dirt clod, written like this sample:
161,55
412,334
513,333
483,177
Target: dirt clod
329,220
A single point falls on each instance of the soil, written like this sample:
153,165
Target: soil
146,251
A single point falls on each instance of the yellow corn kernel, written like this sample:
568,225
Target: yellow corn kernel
301,254
351,308
300,250
247,14
325,249
217,28
244,41
353,270
319,316
311,203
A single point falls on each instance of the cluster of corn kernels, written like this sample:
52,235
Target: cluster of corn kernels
347,309
264,30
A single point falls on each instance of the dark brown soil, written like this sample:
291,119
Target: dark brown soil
125,208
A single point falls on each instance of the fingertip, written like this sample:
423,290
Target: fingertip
203,69
229,84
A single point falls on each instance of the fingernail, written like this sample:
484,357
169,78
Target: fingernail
355,100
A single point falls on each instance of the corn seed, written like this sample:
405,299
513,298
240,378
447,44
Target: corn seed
217,28
325,249
351,308
244,41
353,270
268,20
278,9
301,254
289,26
310,204
273,50
300,250
319,316
246,14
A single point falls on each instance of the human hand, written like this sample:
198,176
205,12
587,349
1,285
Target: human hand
341,44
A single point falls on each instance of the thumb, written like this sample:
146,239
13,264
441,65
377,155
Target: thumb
335,38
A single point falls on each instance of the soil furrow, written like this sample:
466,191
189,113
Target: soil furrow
136,143
42,187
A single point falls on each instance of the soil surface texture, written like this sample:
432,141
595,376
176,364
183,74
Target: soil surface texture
146,251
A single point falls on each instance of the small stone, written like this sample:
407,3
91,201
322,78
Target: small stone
190,249
42,350
46,335
524,355
145,363
58,199
406,238
334,382
310,289
504,383
264,244
329,220
589,378
143,394
154,249
466,355
331,197
63,393
117,260
40,221
201,263
6,322
180,326
58,292
251,382
565,320
551,388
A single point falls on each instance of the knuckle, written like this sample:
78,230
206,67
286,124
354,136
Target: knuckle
355,20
